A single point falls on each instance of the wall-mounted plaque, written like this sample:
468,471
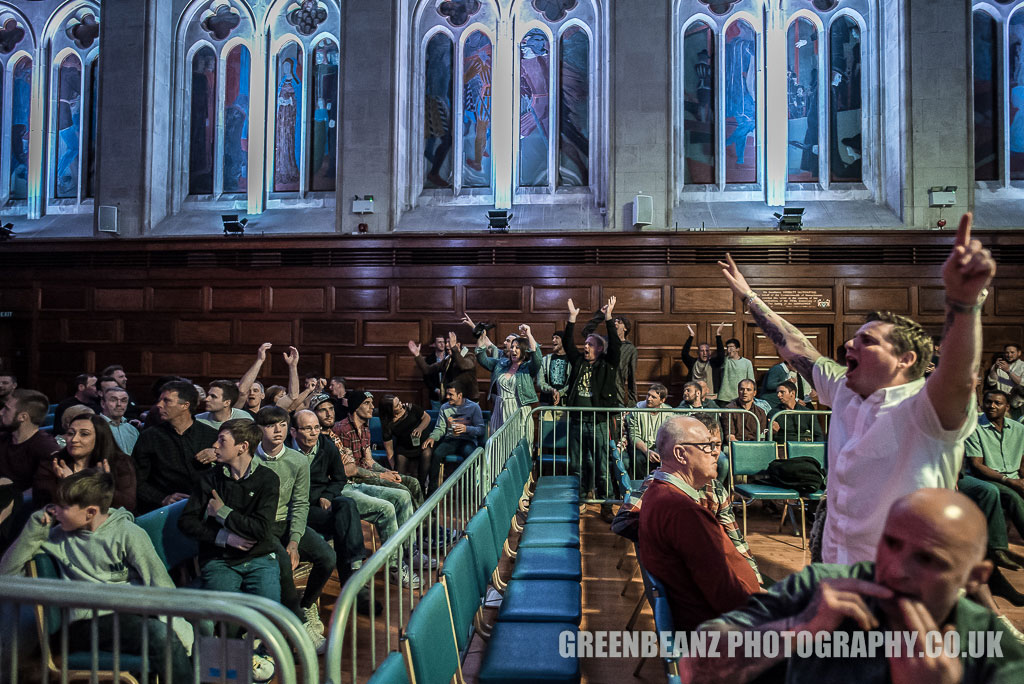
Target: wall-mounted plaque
783,300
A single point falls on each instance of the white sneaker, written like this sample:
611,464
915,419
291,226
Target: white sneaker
406,576
262,668
318,639
422,560
312,618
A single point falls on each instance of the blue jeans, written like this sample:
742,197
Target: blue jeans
462,448
259,576
386,508
589,451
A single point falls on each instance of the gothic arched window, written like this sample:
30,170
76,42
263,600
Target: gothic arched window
504,100
998,54
773,100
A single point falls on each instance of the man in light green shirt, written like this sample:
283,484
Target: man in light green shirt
994,452
735,369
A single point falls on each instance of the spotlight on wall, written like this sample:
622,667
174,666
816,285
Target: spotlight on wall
7,231
791,218
940,196
498,220
232,225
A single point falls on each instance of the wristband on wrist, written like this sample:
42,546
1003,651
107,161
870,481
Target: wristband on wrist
962,307
749,295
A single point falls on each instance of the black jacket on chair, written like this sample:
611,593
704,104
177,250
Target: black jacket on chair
603,382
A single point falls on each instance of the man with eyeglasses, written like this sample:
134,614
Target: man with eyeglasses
681,542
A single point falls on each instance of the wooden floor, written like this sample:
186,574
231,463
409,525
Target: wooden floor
604,608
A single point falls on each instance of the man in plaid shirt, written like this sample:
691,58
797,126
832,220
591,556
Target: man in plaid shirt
714,497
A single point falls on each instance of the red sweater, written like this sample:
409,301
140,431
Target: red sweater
684,546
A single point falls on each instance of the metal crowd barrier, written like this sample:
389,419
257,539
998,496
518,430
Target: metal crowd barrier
277,629
358,644
565,434
799,425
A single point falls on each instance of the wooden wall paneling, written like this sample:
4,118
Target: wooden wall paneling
80,330
327,332
232,365
18,298
51,331
360,367
298,300
236,299
663,335
702,300
931,300
361,299
108,356
997,335
150,330
485,298
416,298
119,298
390,333
405,367
866,299
1008,301
64,298
62,361
253,333
203,332
633,299
553,299
275,365
189,364
178,299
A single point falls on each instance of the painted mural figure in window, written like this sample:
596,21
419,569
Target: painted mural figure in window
438,113
844,98
203,123
802,77
324,130
236,120
533,109
476,117
21,106
740,101
1016,96
288,132
574,109
699,104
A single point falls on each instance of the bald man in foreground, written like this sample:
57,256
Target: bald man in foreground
932,548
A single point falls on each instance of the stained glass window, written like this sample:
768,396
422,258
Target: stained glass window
437,115
203,122
69,126
21,105
574,108
323,127
845,139
236,120
94,113
1016,95
534,96
802,102
741,145
699,103
986,99
287,120
476,112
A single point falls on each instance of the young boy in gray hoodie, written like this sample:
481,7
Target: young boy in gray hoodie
93,543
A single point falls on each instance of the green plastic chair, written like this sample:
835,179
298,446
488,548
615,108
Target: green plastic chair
430,645
391,671
751,458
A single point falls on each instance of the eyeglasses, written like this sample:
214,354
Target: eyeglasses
310,428
706,447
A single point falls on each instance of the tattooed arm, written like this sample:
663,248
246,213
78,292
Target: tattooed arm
966,274
793,345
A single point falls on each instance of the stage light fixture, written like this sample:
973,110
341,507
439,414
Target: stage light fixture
233,225
498,220
791,218
7,231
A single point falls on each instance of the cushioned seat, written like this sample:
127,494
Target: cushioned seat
171,544
82,660
548,563
569,495
542,601
539,535
391,671
553,511
528,652
761,491
558,481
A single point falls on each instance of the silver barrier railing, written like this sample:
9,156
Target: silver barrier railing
799,425
278,631
586,441
357,644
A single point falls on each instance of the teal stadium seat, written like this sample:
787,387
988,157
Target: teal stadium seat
391,671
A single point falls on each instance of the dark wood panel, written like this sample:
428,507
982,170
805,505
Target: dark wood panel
17,298
328,332
51,330
931,300
63,361
660,335
149,331
237,299
231,366
177,299
204,332
63,299
1009,301
494,298
119,299
298,299
361,299
178,363
405,368
363,367
863,299
418,298
997,336
633,298
255,333
90,330
129,358
702,300
390,333
554,299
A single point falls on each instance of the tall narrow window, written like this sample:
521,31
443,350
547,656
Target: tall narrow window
534,89
741,144
986,98
94,112
1016,95
574,108
437,115
476,113
236,120
287,121
21,105
203,122
699,104
802,152
845,139
69,127
323,132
